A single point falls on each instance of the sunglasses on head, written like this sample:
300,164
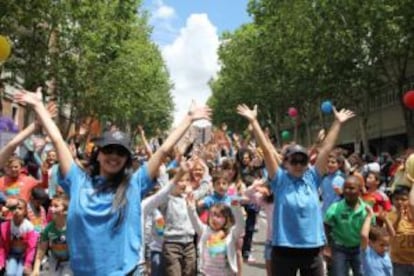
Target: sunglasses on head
298,160
113,149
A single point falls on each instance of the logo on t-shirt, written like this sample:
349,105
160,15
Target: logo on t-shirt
216,244
13,189
159,226
59,248
37,223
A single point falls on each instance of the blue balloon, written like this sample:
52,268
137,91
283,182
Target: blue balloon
326,107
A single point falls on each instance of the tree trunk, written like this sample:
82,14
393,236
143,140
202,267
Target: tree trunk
308,133
295,131
277,131
409,126
363,122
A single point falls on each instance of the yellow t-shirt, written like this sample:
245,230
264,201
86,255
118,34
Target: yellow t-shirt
402,245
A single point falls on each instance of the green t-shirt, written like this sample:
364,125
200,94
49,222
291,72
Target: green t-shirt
346,223
57,241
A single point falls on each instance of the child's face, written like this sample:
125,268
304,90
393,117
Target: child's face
351,190
221,186
13,169
197,172
400,201
57,208
19,211
216,219
333,165
229,174
381,245
182,184
372,181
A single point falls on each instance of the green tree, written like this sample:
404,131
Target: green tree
96,55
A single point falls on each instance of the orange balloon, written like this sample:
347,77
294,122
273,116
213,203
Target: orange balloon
5,48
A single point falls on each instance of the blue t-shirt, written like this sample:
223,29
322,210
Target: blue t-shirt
210,200
374,264
297,216
97,246
329,195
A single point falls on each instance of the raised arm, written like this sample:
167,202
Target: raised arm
160,197
144,140
330,140
195,113
11,146
239,222
192,214
35,101
366,227
269,157
383,215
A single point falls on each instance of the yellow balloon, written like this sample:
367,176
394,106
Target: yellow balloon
5,48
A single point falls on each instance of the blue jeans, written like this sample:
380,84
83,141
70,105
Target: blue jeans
402,269
14,266
344,258
157,264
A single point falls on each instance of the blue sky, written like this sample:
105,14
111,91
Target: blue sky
187,32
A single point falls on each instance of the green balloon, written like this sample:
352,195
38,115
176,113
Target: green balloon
285,135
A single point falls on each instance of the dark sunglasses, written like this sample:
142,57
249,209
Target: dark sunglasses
298,161
118,150
12,208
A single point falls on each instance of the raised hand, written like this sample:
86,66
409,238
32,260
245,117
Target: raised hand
343,115
27,97
382,215
369,210
246,112
191,200
140,129
52,109
199,112
187,166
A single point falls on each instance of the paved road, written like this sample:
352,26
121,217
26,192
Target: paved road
259,238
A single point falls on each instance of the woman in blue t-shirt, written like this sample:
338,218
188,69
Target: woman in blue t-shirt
298,233
104,215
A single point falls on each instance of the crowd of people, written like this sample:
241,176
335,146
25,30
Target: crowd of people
164,209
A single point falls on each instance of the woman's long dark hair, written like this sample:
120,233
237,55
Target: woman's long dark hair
117,184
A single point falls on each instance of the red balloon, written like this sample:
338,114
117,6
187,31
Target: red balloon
293,112
409,99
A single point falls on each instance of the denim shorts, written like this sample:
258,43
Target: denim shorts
268,250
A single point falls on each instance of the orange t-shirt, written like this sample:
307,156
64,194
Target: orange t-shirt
18,188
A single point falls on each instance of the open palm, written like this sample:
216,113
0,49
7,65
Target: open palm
27,97
343,115
199,112
246,112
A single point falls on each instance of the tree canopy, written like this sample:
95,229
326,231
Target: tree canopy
96,56
299,53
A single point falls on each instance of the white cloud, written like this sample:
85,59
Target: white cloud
192,61
163,18
164,13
